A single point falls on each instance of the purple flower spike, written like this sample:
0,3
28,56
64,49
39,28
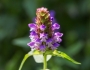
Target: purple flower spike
43,35
42,27
32,26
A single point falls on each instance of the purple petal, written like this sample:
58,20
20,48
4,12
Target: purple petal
56,45
51,18
58,34
43,35
55,26
31,44
49,40
42,47
32,26
42,27
59,40
38,40
33,33
33,36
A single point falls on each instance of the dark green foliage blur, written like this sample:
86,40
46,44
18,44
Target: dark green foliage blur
74,19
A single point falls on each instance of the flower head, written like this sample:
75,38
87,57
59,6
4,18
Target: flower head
43,35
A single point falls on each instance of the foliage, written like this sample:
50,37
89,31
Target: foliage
73,16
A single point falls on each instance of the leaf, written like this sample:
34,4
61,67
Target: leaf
65,56
22,42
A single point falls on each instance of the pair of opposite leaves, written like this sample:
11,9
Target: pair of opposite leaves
38,56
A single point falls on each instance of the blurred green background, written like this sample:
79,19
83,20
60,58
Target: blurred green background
74,18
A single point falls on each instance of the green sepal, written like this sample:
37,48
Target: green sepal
64,55
34,52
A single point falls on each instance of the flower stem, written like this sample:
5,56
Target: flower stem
45,62
23,61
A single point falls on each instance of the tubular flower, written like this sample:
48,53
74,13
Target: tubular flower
42,33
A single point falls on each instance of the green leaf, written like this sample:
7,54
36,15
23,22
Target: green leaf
22,42
65,56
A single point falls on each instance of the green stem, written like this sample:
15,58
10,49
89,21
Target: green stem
45,62
24,59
